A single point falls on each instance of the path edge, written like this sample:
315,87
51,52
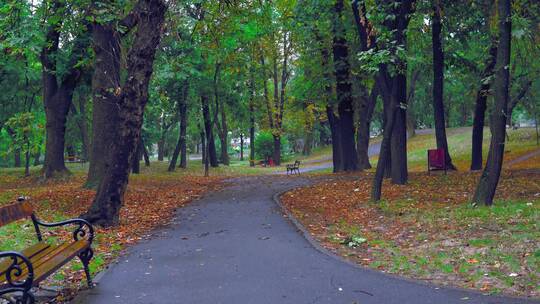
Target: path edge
315,244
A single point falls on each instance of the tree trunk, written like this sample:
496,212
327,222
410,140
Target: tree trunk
276,156
402,11
133,96
485,191
363,132
17,158
105,90
183,132
224,137
241,146
57,98
337,152
398,149
480,109
37,156
27,162
203,145
344,91
83,127
252,118
376,188
438,84
212,155
161,147
136,165
145,153
180,148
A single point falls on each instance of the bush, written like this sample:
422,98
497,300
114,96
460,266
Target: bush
264,145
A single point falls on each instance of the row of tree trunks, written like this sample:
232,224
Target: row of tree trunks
438,84
487,185
131,99
220,118
181,145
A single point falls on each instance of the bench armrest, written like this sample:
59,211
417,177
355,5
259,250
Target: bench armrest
14,271
80,232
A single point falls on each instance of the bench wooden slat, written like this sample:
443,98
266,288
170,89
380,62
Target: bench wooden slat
50,259
29,252
14,212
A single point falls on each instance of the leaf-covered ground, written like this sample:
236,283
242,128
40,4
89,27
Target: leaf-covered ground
428,230
150,203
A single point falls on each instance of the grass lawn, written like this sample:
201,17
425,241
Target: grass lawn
427,229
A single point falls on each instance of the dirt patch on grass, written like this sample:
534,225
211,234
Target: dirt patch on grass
427,229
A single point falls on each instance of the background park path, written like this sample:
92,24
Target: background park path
235,246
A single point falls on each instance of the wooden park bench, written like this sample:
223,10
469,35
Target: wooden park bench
436,160
292,168
72,159
20,271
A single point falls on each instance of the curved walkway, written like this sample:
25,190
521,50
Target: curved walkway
236,247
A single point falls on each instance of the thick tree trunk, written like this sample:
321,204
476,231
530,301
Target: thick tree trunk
276,156
485,191
364,126
106,88
438,84
56,110
212,155
480,109
344,91
402,11
398,149
133,97
57,98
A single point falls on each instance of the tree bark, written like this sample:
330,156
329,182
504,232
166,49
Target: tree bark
485,191
132,99
480,108
106,89
344,91
438,84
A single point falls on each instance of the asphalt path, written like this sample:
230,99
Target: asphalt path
236,246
